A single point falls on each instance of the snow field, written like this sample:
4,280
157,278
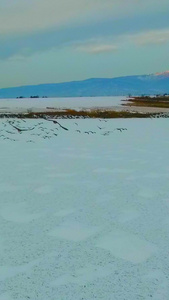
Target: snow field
84,215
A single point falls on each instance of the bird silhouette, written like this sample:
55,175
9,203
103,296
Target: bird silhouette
23,129
56,122
121,129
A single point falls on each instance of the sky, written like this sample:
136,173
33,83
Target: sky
49,41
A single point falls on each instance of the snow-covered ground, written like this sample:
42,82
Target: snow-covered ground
46,104
84,211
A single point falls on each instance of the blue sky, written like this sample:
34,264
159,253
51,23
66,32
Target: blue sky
63,40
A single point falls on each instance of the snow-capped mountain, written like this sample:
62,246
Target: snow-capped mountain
163,74
135,85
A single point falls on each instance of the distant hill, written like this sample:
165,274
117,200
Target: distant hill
135,85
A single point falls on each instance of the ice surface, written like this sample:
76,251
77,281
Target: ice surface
5,296
46,104
127,246
74,232
83,275
84,216
17,213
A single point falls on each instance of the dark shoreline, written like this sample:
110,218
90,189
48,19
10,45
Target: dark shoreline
92,114
147,101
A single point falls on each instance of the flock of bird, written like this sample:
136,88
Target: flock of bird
47,128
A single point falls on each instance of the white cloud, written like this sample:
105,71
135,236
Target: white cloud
112,44
26,16
97,48
151,37
21,16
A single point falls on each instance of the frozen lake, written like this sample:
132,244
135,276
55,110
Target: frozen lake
84,211
22,105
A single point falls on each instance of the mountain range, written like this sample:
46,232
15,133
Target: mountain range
120,86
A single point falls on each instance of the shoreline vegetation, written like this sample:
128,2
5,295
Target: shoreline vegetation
147,101
84,114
